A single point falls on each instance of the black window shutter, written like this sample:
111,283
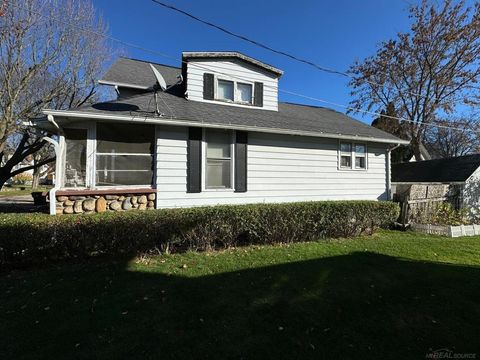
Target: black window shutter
194,160
208,86
258,94
241,144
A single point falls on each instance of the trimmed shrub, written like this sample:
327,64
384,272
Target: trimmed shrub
27,239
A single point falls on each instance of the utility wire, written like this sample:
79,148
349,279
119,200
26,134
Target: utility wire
269,48
158,53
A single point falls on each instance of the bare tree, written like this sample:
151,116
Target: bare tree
39,157
431,70
454,137
51,53
388,122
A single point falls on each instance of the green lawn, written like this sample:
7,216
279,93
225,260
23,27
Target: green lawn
17,191
390,296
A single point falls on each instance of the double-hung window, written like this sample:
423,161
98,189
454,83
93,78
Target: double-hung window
352,156
124,154
218,169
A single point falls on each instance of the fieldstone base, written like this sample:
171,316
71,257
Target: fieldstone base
74,204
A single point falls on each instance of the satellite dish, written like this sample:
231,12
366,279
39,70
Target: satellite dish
159,84
160,80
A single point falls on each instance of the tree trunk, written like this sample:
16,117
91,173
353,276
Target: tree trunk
36,178
4,176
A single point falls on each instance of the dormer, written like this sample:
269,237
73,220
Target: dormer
231,79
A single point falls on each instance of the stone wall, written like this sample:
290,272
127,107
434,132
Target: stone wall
78,204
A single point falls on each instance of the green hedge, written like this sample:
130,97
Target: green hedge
27,239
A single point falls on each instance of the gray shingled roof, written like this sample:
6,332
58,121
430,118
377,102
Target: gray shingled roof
457,169
138,73
289,117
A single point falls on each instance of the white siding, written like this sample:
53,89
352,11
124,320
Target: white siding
281,168
231,70
471,193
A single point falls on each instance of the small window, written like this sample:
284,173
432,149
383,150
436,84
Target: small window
219,160
353,156
244,93
346,155
225,90
360,156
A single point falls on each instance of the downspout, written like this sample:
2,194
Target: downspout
58,156
389,175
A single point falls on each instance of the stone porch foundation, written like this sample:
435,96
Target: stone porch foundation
90,201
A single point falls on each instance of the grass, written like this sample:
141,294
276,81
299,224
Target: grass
17,191
389,296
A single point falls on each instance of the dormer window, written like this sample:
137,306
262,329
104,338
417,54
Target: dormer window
234,91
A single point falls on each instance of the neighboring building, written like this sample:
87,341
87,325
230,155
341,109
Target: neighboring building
220,136
459,175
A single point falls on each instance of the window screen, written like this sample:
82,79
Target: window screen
76,157
124,154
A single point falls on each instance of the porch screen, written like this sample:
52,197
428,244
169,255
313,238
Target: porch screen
124,154
75,157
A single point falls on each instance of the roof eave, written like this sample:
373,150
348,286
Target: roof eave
188,122
231,54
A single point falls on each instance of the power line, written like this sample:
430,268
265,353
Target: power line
155,52
254,42
269,48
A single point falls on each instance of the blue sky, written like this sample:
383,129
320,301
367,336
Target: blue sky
333,33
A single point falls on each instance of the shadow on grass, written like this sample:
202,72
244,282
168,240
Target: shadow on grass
15,208
357,306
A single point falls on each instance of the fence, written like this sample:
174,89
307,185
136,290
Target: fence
418,203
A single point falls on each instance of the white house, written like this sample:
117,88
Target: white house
216,135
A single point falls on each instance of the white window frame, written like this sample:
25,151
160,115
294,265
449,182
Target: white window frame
353,155
90,155
204,163
236,95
